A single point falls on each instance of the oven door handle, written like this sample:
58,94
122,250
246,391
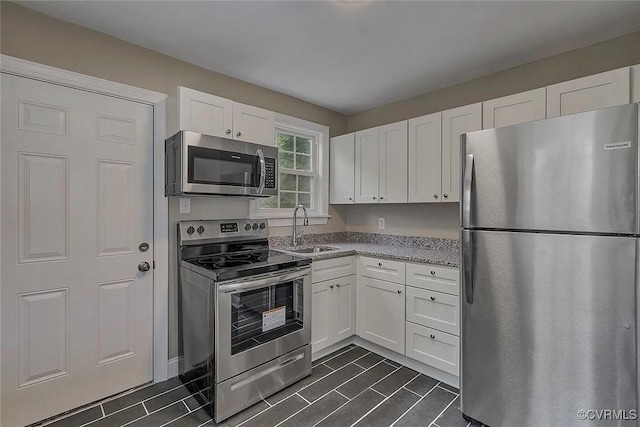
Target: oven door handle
264,282
263,171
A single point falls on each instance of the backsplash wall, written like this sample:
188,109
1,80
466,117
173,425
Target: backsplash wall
421,219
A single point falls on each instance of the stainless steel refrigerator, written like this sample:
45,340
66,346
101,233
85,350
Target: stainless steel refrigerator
550,217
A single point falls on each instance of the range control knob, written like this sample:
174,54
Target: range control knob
263,226
247,227
255,225
190,230
200,229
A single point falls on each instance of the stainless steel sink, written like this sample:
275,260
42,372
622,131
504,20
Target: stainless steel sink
312,249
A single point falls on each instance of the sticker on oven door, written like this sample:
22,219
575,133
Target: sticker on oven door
617,145
274,318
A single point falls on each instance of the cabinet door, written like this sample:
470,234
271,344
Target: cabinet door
435,348
455,122
204,113
367,165
635,83
513,109
393,163
380,312
344,308
342,169
321,311
253,124
589,93
425,159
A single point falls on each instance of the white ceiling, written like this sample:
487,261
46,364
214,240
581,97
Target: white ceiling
353,55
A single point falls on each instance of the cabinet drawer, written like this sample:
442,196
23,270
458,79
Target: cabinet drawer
433,309
435,348
333,268
440,279
377,268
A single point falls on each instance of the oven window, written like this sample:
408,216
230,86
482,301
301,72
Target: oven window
262,315
218,167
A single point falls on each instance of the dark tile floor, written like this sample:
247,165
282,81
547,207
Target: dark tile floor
351,387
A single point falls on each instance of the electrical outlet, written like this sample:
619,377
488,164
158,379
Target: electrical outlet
380,223
185,205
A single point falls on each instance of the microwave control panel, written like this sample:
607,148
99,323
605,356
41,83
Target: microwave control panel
270,173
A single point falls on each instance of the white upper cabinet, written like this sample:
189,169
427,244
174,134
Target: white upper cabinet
393,163
203,113
513,109
253,124
456,122
635,83
589,93
342,169
367,165
425,158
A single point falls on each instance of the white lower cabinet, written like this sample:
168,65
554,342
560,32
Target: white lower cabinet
433,309
380,313
433,347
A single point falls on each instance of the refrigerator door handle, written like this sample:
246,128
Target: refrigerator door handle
466,192
467,264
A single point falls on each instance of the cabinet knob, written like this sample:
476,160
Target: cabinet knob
238,133
433,337
399,291
433,272
337,285
435,196
374,197
350,198
433,298
445,195
379,264
330,286
228,131
381,197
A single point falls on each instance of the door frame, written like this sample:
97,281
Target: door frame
32,70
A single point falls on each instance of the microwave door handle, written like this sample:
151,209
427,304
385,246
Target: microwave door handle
263,171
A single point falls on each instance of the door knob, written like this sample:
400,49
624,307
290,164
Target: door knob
144,266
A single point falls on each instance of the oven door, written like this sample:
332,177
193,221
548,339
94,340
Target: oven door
220,166
260,319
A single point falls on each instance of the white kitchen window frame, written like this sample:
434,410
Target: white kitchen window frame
319,134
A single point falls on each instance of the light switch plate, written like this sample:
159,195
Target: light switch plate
185,205
380,223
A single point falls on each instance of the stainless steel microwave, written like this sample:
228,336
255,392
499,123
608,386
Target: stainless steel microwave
203,165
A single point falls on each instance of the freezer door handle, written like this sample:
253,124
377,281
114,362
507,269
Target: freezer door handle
466,191
467,264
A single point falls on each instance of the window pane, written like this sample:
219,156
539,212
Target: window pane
285,142
304,183
303,162
287,199
285,160
303,145
269,202
304,199
287,182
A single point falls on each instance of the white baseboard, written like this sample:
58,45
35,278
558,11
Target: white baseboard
173,368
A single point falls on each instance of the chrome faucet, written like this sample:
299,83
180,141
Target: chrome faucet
295,239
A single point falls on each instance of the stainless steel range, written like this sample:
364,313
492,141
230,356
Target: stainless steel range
245,313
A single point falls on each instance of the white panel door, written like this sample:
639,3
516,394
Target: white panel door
344,313
425,159
635,83
513,109
380,313
342,169
456,122
76,202
321,319
393,163
204,113
589,93
253,124
367,165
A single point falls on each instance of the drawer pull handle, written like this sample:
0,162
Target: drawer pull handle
433,298
433,337
433,272
379,264
399,291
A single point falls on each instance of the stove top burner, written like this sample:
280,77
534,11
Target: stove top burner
210,260
231,263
